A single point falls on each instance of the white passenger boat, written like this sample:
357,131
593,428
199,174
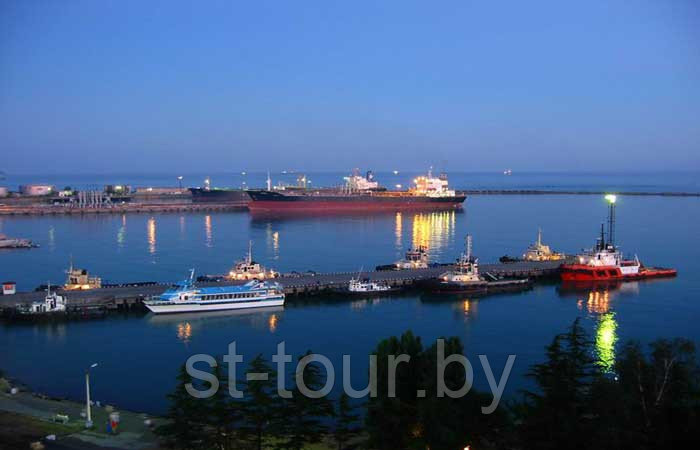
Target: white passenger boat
186,297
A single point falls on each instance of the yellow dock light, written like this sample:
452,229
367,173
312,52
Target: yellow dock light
612,198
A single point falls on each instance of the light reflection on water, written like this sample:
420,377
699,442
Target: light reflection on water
151,232
433,230
208,233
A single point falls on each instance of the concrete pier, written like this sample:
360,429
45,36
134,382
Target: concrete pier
128,297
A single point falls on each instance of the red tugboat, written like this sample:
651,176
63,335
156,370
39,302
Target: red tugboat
605,261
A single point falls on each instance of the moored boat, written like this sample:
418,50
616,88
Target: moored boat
606,262
360,194
8,242
186,297
248,269
466,279
541,252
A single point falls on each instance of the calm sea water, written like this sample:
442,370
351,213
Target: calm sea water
139,355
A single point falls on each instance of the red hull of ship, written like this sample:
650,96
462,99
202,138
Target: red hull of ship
581,272
328,206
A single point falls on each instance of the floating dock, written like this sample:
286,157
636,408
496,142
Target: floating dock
126,298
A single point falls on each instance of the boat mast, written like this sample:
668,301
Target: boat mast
611,221
249,258
269,181
539,237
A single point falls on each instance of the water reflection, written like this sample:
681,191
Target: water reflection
121,233
151,232
433,230
398,231
182,227
52,238
209,240
467,309
186,325
273,240
598,299
605,340
272,323
184,331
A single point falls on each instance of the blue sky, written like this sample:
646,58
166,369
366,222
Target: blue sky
114,86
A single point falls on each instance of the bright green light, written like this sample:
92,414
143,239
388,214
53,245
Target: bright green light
611,198
605,340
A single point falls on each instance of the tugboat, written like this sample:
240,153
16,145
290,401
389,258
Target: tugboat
186,297
605,261
465,278
80,280
53,304
247,269
415,259
540,252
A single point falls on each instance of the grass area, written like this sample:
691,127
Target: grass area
17,430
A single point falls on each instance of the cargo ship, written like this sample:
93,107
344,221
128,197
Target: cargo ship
605,262
362,194
207,194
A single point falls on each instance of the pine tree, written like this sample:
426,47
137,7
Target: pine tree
261,406
224,412
560,414
304,416
185,427
345,421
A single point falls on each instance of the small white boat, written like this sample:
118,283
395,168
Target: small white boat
186,297
53,303
365,286
8,242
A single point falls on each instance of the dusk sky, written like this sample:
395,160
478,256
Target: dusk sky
148,86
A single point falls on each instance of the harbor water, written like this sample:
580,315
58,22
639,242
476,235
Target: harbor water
139,355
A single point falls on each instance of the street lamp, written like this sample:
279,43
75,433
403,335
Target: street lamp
179,180
88,421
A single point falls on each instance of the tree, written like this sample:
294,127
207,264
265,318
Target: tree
661,393
224,412
345,421
261,404
392,422
185,418
304,416
558,415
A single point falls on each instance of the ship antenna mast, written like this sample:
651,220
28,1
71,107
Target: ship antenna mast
539,237
611,218
250,252
469,248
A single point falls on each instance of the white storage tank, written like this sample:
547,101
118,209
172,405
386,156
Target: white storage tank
4,192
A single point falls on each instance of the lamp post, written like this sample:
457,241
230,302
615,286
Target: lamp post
88,421
179,180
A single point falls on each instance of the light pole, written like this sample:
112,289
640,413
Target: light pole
179,180
88,421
